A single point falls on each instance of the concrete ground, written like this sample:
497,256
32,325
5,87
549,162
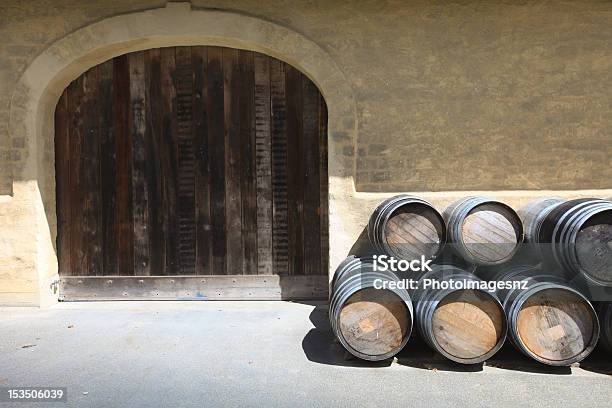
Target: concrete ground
256,354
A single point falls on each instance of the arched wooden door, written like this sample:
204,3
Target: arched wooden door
192,172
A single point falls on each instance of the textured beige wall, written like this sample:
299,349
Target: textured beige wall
451,95
498,96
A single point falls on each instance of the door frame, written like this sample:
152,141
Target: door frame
33,104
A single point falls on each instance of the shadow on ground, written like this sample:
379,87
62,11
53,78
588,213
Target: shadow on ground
320,346
599,361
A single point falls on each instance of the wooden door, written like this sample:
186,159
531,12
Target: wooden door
192,172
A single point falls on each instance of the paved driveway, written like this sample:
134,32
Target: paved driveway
259,354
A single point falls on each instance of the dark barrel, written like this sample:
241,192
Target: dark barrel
464,325
534,213
372,324
604,311
548,320
483,231
577,236
407,227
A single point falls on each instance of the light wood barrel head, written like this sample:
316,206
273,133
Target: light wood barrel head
556,325
413,230
374,322
594,246
490,232
468,324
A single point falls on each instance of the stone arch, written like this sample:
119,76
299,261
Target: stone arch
36,95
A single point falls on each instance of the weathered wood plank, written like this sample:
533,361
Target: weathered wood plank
62,174
203,263
295,161
123,145
280,237
323,175
216,145
78,254
168,160
310,160
186,160
233,194
263,159
90,169
154,173
108,169
140,160
248,177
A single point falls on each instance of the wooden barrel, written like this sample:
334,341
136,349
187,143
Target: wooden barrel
371,324
534,213
577,236
483,231
407,227
548,320
467,326
605,320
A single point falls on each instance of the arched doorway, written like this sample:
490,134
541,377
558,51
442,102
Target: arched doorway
192,172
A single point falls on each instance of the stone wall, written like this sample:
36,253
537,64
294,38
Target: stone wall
450,95
508,97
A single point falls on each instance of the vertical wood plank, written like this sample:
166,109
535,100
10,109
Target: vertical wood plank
295,168
168,160
233,197
139,164
248,178
154,174
186,160
263,152
62,174
280,237
78,255
215,107
123,146
108,169
324,185
311,178
90,171
202,170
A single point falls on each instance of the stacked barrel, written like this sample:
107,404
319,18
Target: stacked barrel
372,324
548,317
464,325
549,320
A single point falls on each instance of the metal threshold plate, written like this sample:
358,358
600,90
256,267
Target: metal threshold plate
211,287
